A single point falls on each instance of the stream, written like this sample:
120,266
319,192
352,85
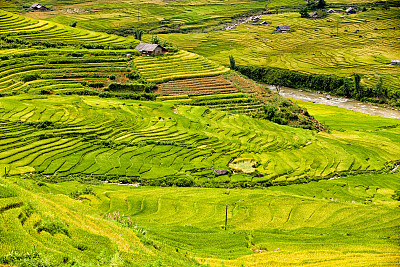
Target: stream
326,99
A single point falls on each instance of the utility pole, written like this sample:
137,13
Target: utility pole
138,14
337,28
5,172
226,216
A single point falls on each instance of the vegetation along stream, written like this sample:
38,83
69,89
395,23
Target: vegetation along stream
342,102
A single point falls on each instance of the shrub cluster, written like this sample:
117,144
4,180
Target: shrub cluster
136,87
283,77
53,228
40,124
24,259
133,96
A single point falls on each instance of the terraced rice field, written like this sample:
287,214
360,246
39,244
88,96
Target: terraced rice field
366,43
237,103
38,230
74,136
155,15
348,221
287,218
213,92
176,66
50,140
59,71
39,31
197,86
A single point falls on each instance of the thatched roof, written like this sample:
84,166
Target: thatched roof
39,6
283,28
145,47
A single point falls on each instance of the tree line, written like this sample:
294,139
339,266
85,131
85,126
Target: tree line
349,87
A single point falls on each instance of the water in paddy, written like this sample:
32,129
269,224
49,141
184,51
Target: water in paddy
338,102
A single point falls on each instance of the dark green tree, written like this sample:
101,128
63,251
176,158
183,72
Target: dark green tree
357,85
386,6
321,4
379,87
346,87
304,13
155,40
232,62
73,24
138,34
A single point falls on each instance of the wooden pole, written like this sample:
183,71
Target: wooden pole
226,216
5,172
337,29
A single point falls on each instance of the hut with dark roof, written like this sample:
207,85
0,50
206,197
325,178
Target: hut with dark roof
283,29
350,10
37,6
150,49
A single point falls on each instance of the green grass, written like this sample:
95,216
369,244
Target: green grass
342,120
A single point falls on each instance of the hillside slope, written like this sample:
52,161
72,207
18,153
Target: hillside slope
67,137
39,228
348,221
38,31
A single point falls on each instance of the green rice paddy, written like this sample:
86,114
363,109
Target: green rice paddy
68,136
347,221
365,44
40,31
177,66
100,175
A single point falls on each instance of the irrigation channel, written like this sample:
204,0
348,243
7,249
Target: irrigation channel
338,102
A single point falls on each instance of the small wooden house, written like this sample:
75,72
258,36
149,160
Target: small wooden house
283,29
314,15
150,49
37,6
350,10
